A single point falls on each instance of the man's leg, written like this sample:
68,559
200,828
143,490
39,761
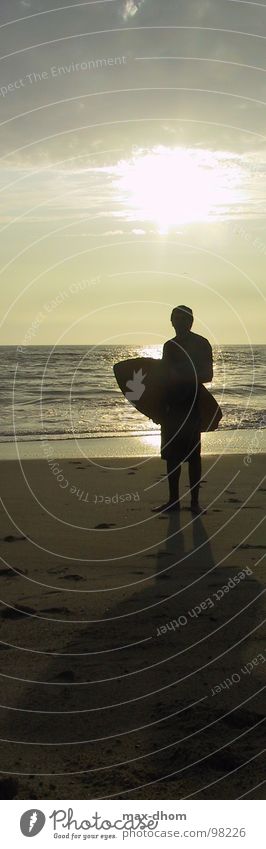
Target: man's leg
195,478
173,472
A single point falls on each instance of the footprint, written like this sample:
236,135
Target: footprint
159,555
67,675
234,500
8,788
12,613
11,538
56,571
63,610
105,525
72,578
263,547
224,762
241,719
252,507
8,573
76,463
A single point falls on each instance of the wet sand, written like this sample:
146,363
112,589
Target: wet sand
133,653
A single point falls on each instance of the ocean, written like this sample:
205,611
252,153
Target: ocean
70,392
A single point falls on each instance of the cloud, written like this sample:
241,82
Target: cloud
202,9
131,7
133,193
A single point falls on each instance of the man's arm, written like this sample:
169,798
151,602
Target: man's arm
205,367
166,355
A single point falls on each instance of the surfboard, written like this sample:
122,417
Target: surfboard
143,382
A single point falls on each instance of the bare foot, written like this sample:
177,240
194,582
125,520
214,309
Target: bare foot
169,507
197,510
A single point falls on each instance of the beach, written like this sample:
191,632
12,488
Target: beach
133,650
133,266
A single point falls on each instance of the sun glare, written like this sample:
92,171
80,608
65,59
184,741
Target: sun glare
173,187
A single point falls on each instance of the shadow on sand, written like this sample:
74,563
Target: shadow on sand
151,723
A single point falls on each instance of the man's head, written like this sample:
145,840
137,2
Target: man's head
182,319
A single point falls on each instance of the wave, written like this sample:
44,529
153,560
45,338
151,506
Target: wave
54,390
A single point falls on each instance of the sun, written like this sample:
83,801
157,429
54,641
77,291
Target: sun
173,187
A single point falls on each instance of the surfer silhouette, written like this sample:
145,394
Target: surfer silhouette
187,363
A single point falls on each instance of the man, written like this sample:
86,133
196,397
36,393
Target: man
188,363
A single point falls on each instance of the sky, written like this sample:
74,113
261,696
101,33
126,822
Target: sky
132,170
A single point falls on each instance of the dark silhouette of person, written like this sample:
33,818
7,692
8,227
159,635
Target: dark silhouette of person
187,364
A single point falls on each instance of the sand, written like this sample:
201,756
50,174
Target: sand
133,650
